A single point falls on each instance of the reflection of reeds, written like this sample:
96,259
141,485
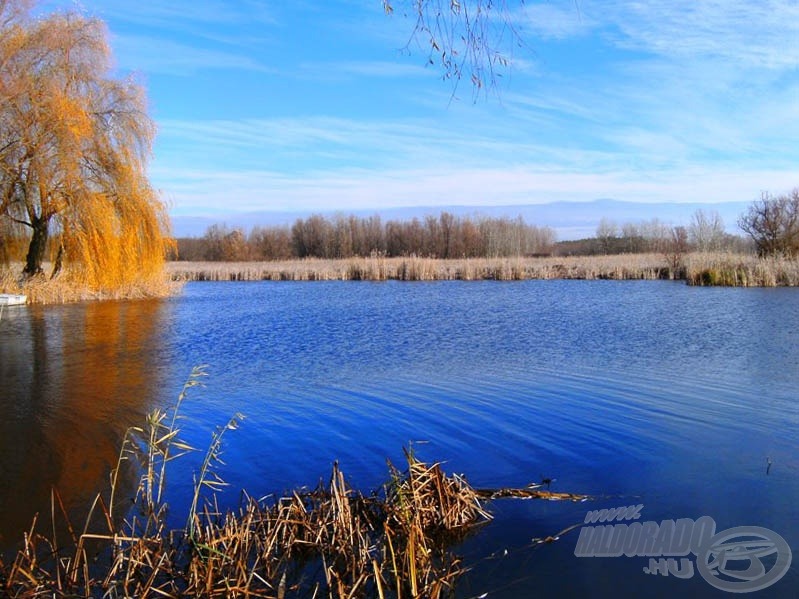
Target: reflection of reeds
330,541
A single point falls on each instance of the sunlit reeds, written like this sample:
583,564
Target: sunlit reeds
330,541
71,287
743,270
738,270
413,268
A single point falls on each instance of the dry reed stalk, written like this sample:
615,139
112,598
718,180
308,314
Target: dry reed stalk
331,539
69,286
741,270
414,268
700,269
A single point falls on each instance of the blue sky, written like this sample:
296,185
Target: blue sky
315,106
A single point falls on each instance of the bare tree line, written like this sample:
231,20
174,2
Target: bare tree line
771,227
705,233
442,236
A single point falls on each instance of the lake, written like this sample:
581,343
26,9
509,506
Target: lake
680,399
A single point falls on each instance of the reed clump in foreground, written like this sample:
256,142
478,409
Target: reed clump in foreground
330,541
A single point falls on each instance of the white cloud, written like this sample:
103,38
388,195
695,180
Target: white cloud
206,192
551,21
157,55
751,34
366,68
184,14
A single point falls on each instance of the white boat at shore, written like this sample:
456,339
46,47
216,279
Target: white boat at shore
10,299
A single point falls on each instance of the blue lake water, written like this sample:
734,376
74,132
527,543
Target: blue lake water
636,393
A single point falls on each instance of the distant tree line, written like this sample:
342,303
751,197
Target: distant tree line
442,236
771,225
705,233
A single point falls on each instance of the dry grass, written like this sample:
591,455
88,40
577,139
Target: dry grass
68,287
698,269
331,541
378,268
739,270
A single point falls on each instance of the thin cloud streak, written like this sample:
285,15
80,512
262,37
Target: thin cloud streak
632,100
156,55
185,13
207,193
365,68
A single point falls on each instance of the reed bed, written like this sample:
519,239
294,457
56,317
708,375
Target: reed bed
720,269
331,541
741,270
726,269
68,287
378,268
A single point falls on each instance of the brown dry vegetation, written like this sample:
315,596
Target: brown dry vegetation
69,286
708,269
331,541
378,268
697,269
741,270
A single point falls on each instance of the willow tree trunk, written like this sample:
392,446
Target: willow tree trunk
37,247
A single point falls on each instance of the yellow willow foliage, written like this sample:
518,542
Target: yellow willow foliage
74,143
115,243
71,118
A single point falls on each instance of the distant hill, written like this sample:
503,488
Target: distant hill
571,220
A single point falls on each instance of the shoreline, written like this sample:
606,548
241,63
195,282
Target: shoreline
701,269
378,268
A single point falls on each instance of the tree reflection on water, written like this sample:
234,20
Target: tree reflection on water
73,379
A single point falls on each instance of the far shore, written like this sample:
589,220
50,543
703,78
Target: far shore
705,269
695,268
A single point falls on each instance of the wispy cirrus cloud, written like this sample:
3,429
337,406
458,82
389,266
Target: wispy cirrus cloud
315,143
364,68
182,37
182,14
553,21
157,55
333,163
750,34
202,192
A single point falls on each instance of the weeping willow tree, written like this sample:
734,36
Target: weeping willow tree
74,143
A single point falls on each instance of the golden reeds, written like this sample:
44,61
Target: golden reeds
726,269
330,541
413,268
698,269
720,269
69,287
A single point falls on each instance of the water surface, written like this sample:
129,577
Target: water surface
648,393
